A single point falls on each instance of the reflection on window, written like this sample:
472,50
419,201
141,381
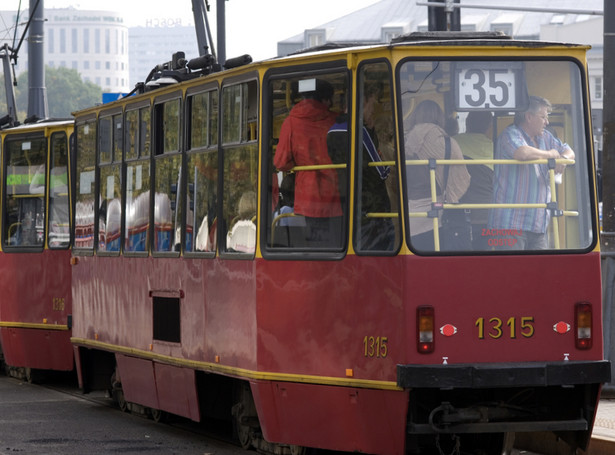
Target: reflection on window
59,215
491,199
85,184
202,174
167,231
110,211
240,167
137,206
240,171
25,172
201,219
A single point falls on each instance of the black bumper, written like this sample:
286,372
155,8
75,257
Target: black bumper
489,375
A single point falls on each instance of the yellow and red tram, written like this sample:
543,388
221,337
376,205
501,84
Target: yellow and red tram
194,293
35,309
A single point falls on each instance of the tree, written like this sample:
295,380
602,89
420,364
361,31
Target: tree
66,93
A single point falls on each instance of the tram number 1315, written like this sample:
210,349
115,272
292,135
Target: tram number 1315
498,328
375,346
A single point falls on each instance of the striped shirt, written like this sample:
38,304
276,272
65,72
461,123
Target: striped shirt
522,183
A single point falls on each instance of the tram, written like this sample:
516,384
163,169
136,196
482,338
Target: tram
36,309
335,323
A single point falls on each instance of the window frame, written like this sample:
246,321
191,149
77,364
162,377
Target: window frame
304,71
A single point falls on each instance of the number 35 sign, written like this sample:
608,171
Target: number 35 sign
490,85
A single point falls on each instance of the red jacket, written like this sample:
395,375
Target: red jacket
303,142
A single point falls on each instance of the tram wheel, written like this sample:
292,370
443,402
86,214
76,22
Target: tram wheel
157,415
121,401
298,450
244,416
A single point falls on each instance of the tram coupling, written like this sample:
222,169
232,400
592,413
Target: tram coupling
443,418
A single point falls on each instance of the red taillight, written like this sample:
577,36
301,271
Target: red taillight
583,325
425,329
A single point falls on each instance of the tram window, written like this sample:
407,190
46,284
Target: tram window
202,175
25,171
105,139
118,138
307,205
137,162
240,167
137,133
167,126
509,96
167,206
110,211
137,206
85,183
131,136
59,217
145,132
376,226
240,111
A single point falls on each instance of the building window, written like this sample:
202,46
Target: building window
97,41
62,41
86,41
50,41
107,65
75,65
97,65
598,88
86,65
107,41
74,41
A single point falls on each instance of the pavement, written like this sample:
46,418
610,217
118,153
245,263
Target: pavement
604,425
603,436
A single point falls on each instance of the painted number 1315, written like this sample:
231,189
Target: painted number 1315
375,346
497,328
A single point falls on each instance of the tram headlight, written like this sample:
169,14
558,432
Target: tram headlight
425,324
583,325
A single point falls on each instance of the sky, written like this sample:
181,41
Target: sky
252,26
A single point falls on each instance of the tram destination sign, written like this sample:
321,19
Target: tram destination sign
490,85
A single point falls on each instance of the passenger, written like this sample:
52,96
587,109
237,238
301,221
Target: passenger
476,144
426,139
303,142
242,234
286,203
374,233
527,139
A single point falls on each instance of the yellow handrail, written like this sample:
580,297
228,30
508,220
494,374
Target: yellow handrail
432,179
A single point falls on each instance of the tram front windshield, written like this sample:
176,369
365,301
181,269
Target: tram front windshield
496,156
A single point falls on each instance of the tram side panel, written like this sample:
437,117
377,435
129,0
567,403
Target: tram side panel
36,297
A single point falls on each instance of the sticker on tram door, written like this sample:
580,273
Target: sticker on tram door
448,330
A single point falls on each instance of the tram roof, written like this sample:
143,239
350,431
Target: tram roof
458,39
46,123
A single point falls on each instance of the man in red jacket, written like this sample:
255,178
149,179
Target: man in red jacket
303,142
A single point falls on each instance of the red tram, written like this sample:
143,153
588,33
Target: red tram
35,309
346,321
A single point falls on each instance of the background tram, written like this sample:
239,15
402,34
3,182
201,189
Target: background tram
210,300
35,309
